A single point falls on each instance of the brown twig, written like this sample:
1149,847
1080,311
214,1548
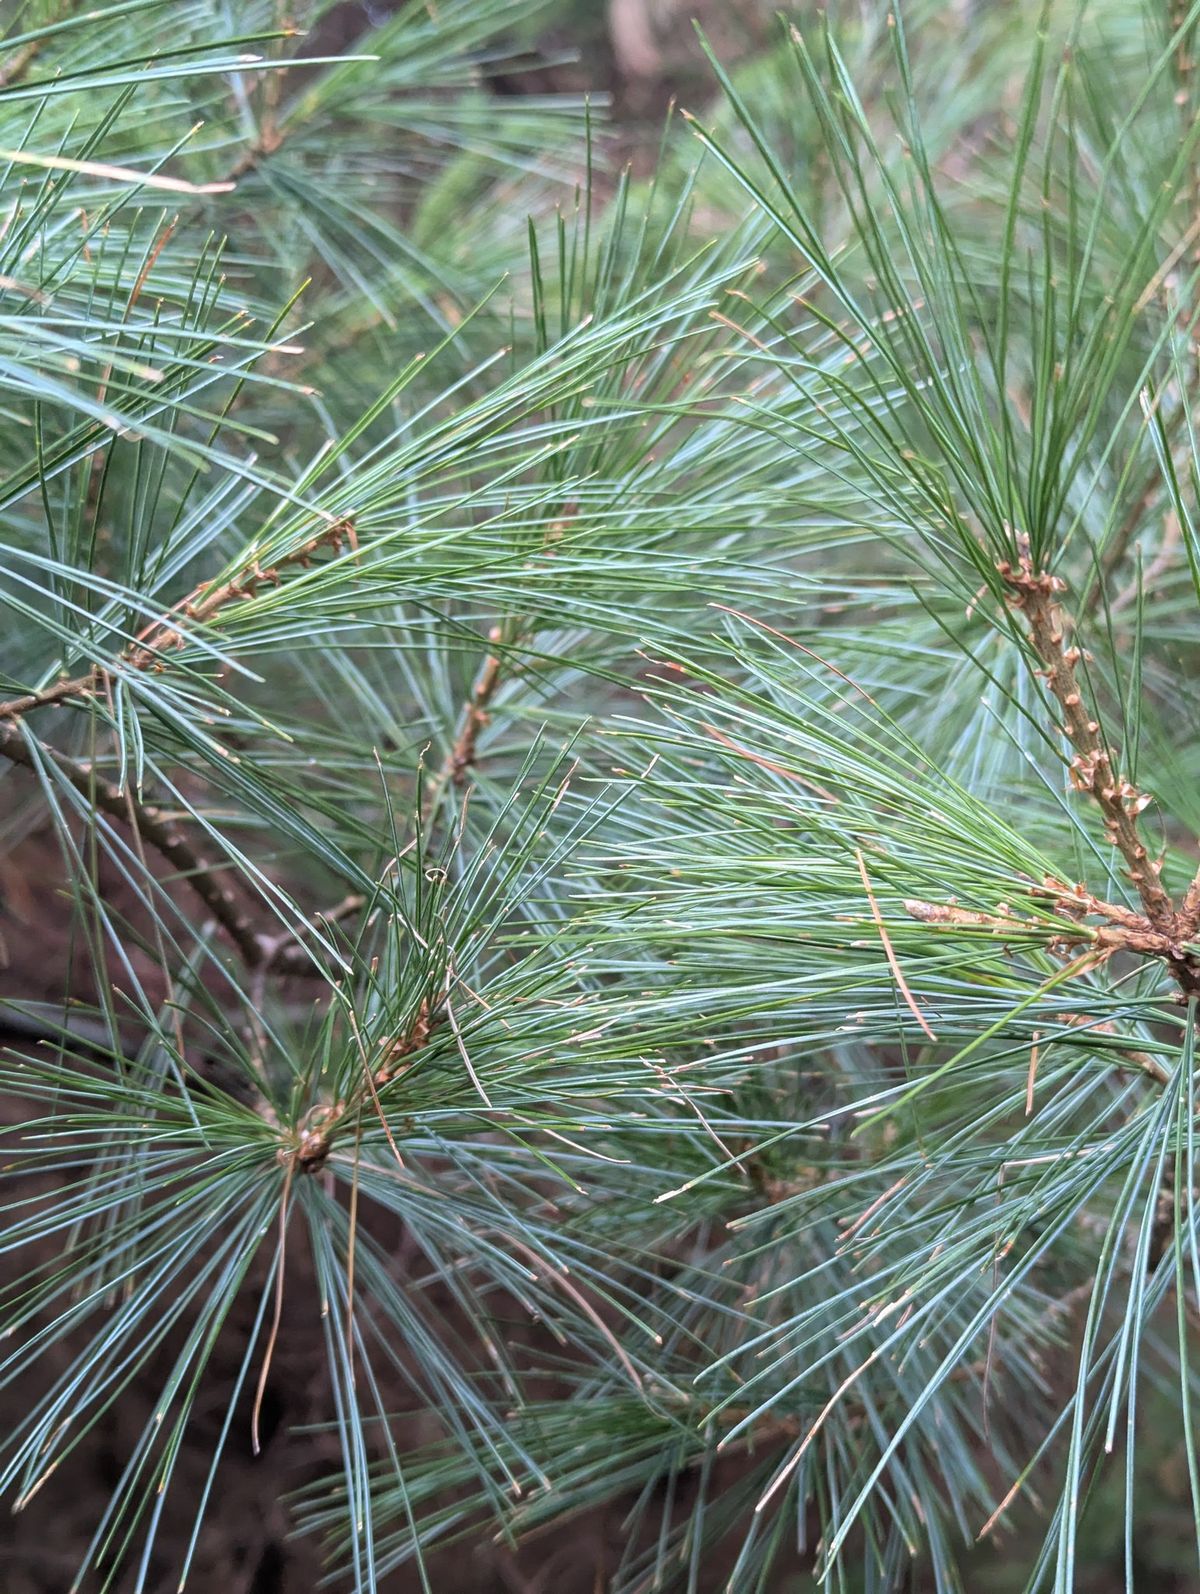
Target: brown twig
168,632
1162,930
15,68
205,602
397,1051
1035,595
213,884
316,1140
268,141
1184,62
1127,933
78,686
1190,912
475,711
214,887
270,137
937,913
287,953
1138,938
463,751
475,715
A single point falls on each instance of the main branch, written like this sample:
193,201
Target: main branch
1162,930
1094,768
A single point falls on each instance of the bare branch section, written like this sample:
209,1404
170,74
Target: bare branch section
206,601
213,884
475,711
1123,931
288,952
459,760
77,686
168,633
15,68
475,716
395,1055
265,145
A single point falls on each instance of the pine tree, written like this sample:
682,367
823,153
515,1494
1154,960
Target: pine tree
624,753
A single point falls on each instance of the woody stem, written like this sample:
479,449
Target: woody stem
1093,768
214,885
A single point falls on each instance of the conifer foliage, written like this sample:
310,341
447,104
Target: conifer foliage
624,753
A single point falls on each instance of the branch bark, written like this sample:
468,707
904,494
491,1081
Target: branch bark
1162,930
214,884
1094,770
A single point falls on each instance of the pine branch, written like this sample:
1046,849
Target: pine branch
1122,936
1093,768
474,715
316,1137
287,952
276,954
77,686
1162,931
269,140
212,883
14,69
169,632
472,719
282,954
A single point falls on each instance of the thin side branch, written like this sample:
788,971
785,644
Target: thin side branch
475,715
18,64
77,686
213,884
287,952
267,142
205,602
271,136
214,887
471,721
169,632
1129,933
